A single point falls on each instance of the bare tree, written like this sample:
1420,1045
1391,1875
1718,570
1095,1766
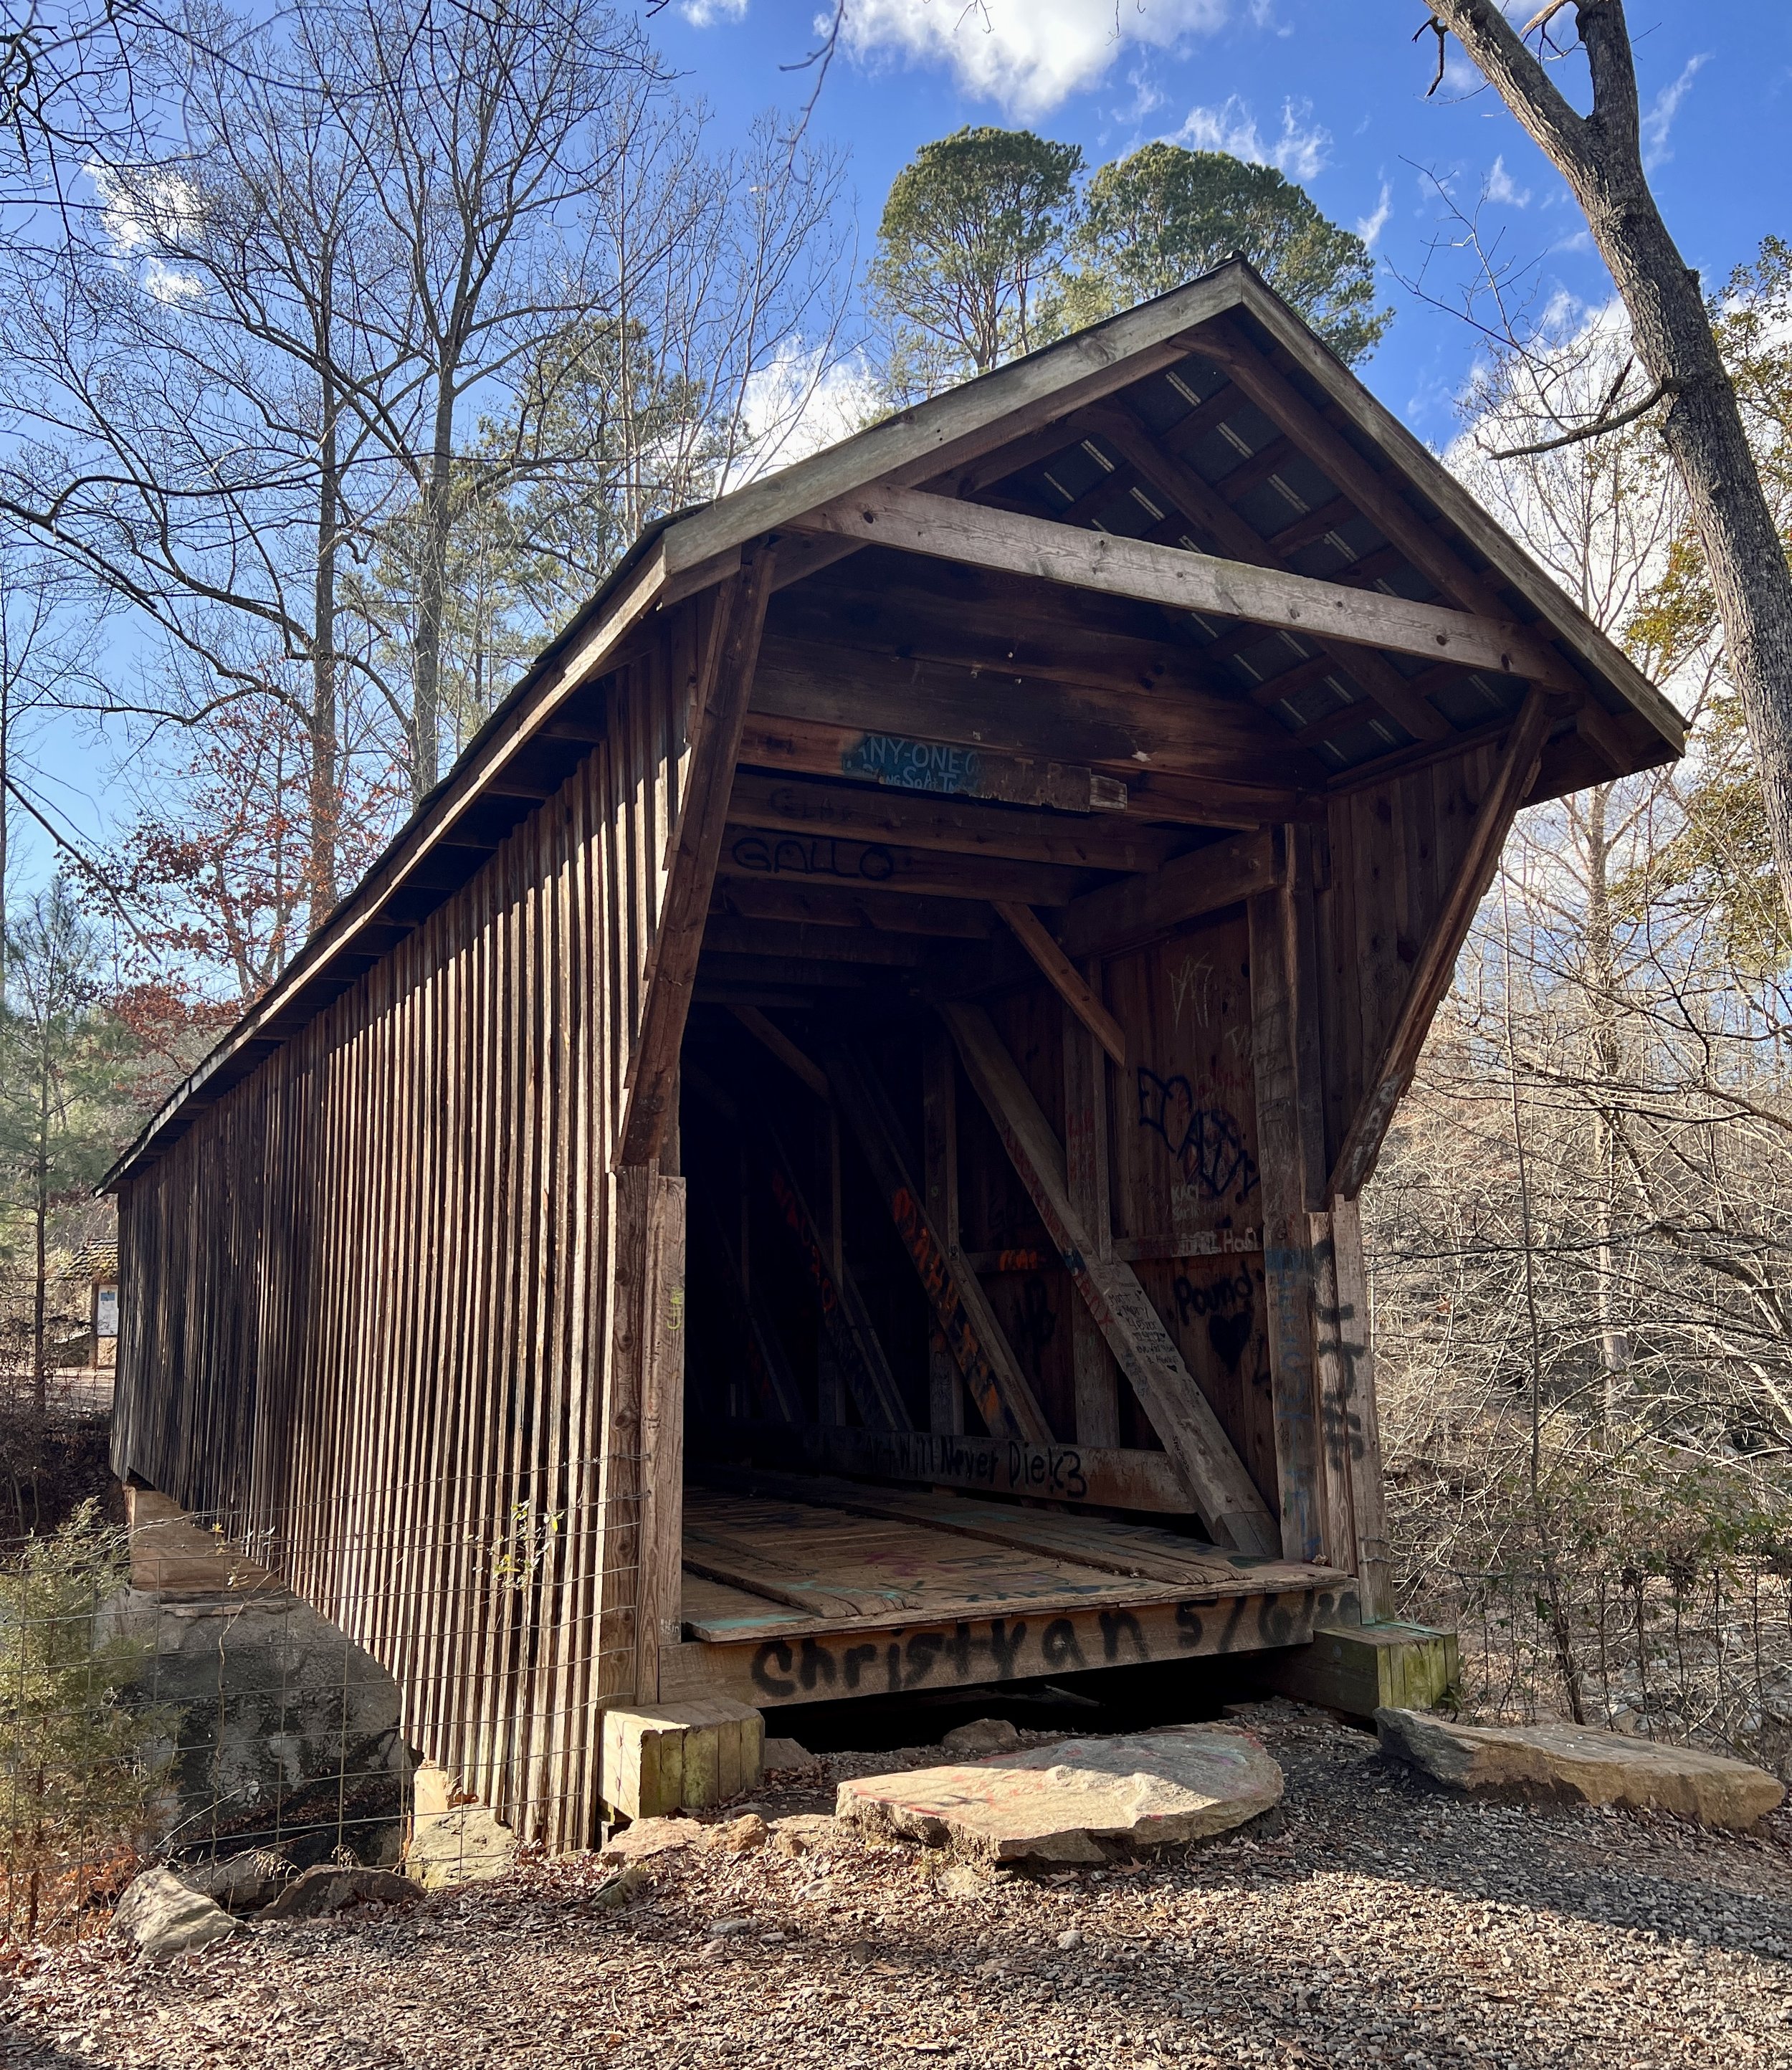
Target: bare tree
1600,155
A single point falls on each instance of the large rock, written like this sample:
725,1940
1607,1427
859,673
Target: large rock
241,1882
1577,1764
164,1917
275,1727
463,1844
1077,1801
327,1889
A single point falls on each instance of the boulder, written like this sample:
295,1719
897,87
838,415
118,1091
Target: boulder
326,1889
164,1917
1580,1765
463,1844
1078,1800
739,1836
982,1735
648,1837
242,1882
779,1753
616,1891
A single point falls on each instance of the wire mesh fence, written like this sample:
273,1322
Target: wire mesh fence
1695,1654
172,1692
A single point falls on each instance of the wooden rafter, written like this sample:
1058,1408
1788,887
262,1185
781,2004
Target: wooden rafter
1437,958
915,522
718,712
1239,540
1223,1493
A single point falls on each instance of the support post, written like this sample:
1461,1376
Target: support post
940,1166
1086,1173
658,1624
1285,1048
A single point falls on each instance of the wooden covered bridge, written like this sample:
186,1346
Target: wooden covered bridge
824,1158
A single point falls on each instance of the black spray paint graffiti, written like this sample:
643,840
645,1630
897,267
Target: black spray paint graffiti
831,1664
1230,1305
1205,1141
803,855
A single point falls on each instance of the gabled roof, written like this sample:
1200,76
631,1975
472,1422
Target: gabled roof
534,738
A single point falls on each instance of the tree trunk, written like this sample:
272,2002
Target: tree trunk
435,521
1601,158
40,1369
323,802
1601,988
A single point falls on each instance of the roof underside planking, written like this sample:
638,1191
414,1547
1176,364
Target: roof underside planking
1178,580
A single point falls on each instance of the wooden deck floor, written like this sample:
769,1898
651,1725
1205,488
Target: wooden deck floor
795,1591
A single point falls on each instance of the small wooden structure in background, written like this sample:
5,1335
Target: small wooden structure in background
824,1158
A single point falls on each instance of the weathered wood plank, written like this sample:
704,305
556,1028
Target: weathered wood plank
1436,960
657,1621
1080,1474
915,522
1122,916
818,1666
718,714
856,812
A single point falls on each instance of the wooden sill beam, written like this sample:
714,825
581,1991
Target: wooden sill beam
1065,979
913,521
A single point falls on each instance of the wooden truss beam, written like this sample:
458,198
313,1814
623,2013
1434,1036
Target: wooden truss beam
846,1326
1142,909
1431,973
914,522
718,714
867,813
1064,978
1222,1492
961,1309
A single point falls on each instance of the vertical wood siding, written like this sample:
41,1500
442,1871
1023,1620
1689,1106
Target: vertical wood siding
373,1315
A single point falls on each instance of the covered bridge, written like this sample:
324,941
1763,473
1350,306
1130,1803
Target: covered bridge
824,1158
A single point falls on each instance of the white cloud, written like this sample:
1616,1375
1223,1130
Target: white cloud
1659,118
1369,227
1299,151
799,402
1026,55
701,14
1502,186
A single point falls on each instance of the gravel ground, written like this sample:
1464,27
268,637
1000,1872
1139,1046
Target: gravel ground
1384,1924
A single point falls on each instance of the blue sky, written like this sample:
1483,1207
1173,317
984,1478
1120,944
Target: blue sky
1334,94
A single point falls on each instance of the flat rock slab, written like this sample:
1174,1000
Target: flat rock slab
1078,1800
1579,1764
